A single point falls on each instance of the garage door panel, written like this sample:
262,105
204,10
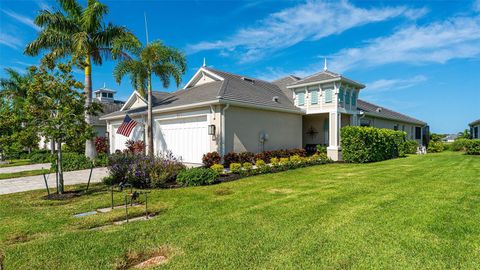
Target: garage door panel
185,138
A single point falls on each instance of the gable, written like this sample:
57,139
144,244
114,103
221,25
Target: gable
134,101
202,76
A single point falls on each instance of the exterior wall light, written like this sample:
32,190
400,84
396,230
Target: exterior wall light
211,129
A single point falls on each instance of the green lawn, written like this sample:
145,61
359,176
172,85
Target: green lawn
420,212
16,162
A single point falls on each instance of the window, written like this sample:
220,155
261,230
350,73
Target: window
328,95
418,133
340,95
97,95
354,98
110,95
395,127
347,97
104,94
301,98
314,96
475,135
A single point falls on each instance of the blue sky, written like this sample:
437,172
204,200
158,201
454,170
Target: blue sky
417,57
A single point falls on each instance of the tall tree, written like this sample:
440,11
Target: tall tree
17,132
157,59
55,102
79,32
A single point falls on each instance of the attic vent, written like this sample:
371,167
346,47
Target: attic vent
248,80
378,109
275,99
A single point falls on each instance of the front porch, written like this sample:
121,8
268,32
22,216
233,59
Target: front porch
324,129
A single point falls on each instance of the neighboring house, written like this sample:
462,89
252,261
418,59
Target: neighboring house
104,96
450,138
475,129
224,112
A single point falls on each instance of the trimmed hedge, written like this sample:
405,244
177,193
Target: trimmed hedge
368,144
473,147
197,177
435,147
459,144
411,147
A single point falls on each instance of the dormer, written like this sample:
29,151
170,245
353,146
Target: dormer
105,95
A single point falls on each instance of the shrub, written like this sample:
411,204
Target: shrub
459,144
321,149
236,167
197,176
42,157
136,147
165,171
119,166
101,145
211,158
368,144
218,168
264,156
72,162
260,163
473,147
410,147
246,157
296,159
247,166
435,147
284,161
101,160
229,158
274,161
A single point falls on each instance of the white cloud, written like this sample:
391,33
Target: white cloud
384,85
43,5
476,5
10,41
312,20
21,19
438,42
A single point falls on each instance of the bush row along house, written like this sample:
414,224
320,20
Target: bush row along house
224,112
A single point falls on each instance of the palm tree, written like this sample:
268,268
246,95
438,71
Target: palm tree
80,33
158,59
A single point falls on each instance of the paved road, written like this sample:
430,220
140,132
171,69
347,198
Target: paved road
20,184
22,168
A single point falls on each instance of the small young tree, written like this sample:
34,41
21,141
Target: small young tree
55,102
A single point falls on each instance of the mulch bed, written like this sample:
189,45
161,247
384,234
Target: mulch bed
64,196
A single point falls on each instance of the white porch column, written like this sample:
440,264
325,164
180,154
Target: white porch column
333,149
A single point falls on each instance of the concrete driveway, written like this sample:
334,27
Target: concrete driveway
20,184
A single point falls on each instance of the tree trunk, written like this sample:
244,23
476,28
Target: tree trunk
89,144
52,146
59,166
149,118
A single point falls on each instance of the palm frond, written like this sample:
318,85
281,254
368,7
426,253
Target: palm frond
92,16
50,39
57,21
71,7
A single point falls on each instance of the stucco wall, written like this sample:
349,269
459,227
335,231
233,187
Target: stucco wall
243,127
390,124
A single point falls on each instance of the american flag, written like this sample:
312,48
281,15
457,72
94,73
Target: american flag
127,126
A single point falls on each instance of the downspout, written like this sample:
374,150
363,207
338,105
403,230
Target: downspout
222,149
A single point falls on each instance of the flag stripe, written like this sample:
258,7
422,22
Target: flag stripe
127,126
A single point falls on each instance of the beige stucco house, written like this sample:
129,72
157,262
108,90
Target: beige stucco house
224,112
475,129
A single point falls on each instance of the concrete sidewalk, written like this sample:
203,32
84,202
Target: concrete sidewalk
31,167
20,184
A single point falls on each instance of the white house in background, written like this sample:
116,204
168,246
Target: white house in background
104,96
475,129
224,112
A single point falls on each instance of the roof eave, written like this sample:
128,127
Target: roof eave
361,86
395,119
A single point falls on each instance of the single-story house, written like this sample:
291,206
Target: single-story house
475,129
224,112
104,96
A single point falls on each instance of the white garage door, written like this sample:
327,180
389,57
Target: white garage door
186,138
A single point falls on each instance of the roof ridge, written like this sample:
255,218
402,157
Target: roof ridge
237,75
320,72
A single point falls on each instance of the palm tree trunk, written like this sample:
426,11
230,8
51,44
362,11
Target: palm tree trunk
59,167
149,117
89,144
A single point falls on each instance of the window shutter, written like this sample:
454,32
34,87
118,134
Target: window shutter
314,97
354,99
340,95
347,98
301,99
328,96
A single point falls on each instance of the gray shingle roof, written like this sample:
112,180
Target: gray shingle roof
372,109
283,82
476,122
320,76
235,88
107,108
